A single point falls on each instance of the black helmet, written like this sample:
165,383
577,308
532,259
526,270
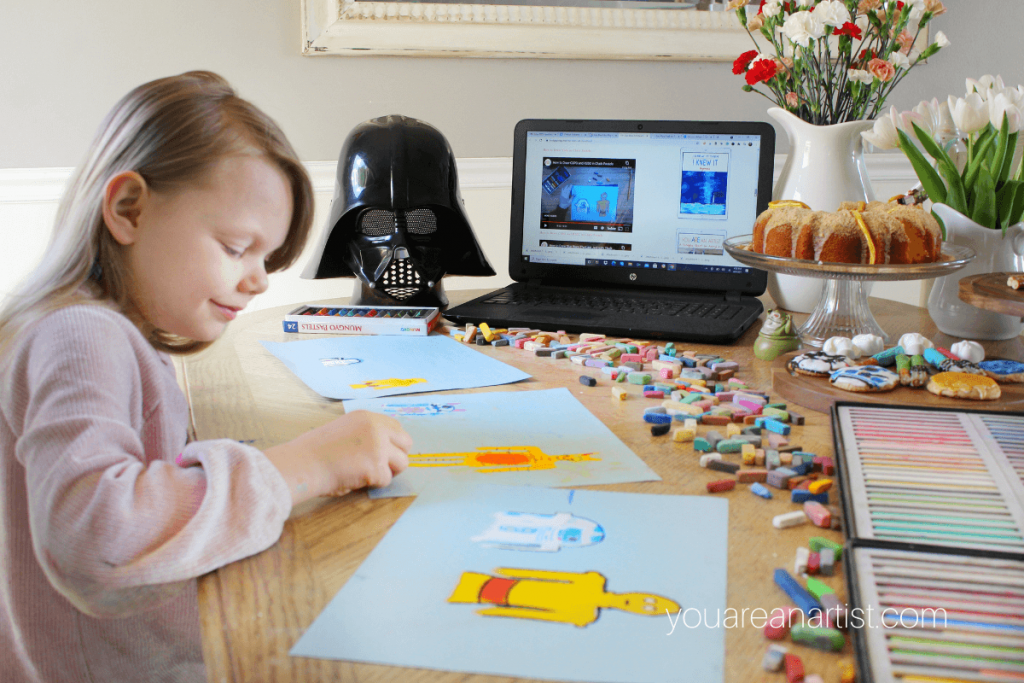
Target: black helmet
397,220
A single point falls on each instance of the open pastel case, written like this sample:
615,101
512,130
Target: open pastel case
933,505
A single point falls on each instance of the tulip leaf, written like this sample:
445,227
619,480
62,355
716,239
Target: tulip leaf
981,151
988,133
942,226
1000,152
954,197
1011,147
929,145
984,199
1013,216
1004,201
930,180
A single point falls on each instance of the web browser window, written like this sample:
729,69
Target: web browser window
638,200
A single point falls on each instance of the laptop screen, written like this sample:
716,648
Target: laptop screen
653,199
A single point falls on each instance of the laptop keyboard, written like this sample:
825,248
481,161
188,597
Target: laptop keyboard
610,304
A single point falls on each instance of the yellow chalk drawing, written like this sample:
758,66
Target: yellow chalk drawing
566,597
387,383
506,459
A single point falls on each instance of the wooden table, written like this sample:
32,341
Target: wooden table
254,610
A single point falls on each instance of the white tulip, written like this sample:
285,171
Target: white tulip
832,13
883,134
984,85
805,3
970,114
803,27
1002,105
941,40
936,120
1015,95
899,60
859,76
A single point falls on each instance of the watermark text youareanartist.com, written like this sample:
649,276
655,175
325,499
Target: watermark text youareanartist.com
758,617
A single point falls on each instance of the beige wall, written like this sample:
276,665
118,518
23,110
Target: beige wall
64,63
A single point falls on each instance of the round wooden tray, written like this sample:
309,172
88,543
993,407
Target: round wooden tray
818,394
990,291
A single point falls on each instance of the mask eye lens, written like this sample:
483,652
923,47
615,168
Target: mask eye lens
421,222
377,223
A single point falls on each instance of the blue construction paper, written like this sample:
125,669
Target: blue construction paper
550,419
395,610
334,367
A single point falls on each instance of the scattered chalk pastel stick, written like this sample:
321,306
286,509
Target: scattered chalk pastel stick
800,597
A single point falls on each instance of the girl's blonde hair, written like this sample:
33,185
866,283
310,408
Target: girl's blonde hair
170,131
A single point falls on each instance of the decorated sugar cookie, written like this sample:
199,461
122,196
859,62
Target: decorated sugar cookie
864,378
964,385
817,363
1003,371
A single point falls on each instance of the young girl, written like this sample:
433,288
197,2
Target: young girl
188,197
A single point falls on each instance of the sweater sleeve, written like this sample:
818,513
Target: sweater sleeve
117,524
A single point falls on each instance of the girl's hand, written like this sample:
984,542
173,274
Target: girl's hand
356,450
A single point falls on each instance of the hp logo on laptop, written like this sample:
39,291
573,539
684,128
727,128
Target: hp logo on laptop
632,276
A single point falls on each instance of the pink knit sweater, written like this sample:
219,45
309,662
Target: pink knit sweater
102,533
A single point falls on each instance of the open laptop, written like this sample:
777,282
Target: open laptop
617,227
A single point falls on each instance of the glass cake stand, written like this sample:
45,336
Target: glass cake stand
842,310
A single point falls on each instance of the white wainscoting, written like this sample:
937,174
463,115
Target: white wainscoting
29,198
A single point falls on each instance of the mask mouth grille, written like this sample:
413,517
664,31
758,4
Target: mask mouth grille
401,279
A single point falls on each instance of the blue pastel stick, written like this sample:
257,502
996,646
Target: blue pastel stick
800,597
760,490
657,418
773,425
803,495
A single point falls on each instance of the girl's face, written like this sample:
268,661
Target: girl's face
197,255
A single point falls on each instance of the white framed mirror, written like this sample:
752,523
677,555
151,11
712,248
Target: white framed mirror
557,29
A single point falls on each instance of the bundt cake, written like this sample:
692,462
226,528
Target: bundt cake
859,232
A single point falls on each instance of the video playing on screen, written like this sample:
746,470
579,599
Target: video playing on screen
588,194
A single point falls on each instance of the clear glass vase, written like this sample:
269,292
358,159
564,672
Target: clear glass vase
997,253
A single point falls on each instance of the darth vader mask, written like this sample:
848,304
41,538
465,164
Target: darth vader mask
397,221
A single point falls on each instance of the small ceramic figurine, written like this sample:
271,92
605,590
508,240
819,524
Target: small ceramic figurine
776,336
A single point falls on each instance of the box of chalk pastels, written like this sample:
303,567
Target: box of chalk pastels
933,507
383,320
